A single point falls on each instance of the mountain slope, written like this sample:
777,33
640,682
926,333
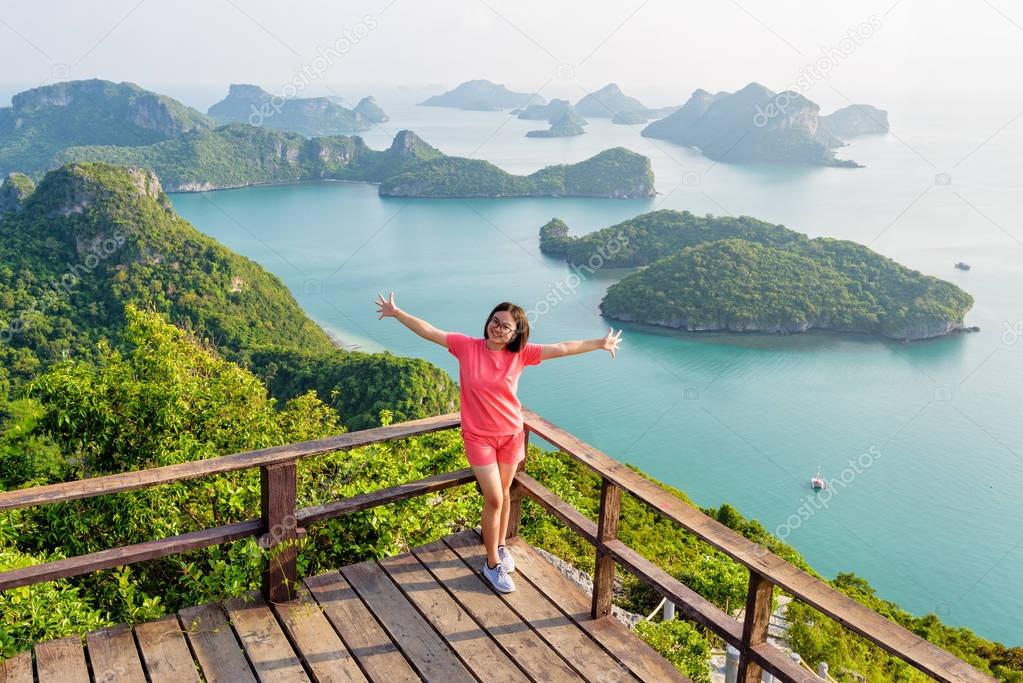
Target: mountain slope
42,121
93,239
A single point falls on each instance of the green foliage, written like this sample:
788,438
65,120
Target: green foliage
614,172
95,239
170,399
360,385
45,120
744,274
680,643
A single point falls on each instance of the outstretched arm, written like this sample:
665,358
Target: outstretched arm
386,308
570,348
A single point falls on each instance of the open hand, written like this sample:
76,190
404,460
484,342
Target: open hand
612,340
385,307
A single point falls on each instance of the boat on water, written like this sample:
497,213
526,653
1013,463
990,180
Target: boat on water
962,266
817,482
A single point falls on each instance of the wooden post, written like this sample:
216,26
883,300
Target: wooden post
607,530
280,526
754,627
515,508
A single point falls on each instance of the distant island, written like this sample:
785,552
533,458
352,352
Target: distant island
42,121
313,116
481,95
855,120
614,173
239,155
745,275
550,112
567,125
754,124
611,103
370,111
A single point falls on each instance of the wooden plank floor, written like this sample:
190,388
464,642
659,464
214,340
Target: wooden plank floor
424,615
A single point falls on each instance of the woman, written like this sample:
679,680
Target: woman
492,430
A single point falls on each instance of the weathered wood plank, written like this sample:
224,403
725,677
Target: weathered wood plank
113,655
272,657
318,644
17,669
477,649
392,494
129,481
61,661
561,633
604,566
478,598
621,643
220,655
901,642
754,627
420,643
129,554
366,640
277,495
165,652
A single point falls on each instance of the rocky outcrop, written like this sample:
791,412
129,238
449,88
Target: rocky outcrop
751,125
16,188
370,111
609,101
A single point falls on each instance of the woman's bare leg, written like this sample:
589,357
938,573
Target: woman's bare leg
507,472
489,479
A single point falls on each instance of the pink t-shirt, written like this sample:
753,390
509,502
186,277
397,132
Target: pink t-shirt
488,383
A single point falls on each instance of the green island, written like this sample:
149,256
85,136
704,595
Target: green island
616,173
161,350
42,121
566,125
744,275
238,155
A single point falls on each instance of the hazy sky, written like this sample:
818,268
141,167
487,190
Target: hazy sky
661,49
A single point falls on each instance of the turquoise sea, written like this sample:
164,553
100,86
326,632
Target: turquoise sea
934,520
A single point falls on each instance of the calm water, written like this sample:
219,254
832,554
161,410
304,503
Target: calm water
934,520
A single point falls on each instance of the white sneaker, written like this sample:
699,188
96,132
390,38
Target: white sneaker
498,577
506,558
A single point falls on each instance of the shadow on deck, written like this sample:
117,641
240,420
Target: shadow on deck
424,615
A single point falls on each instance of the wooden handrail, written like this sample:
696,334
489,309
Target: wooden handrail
764,566
281,522
129,481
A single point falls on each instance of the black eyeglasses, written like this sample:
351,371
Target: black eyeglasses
503,326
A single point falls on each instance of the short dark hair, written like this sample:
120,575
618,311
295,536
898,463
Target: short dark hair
521,338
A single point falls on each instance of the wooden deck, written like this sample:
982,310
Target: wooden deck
424,615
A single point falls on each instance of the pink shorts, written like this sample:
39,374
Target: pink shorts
481,449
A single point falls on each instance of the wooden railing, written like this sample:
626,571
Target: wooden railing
281,522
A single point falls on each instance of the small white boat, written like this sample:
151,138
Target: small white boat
817,482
